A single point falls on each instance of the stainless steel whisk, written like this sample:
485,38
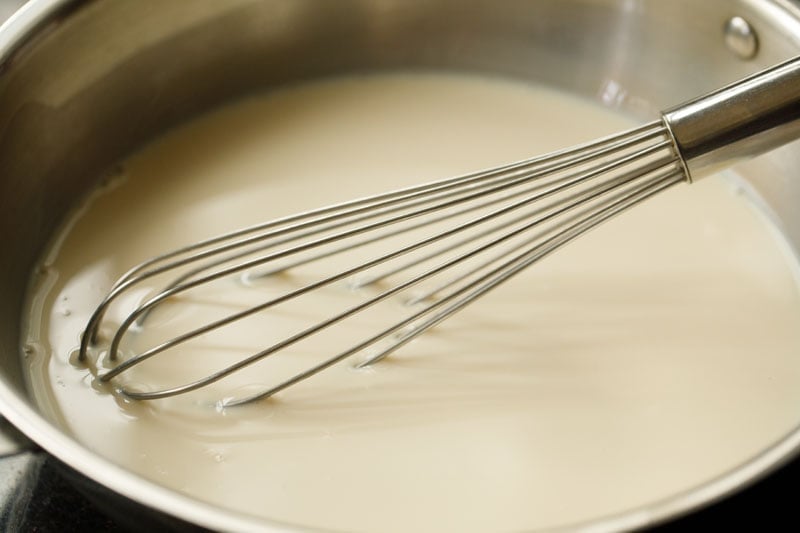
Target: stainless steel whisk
442,245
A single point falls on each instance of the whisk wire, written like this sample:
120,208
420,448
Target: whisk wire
468,292
474,290
236,240
570,181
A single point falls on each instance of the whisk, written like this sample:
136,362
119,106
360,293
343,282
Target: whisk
434,248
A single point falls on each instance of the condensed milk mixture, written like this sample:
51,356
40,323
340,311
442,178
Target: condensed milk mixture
650,356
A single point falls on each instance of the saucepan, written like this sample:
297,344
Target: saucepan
85,82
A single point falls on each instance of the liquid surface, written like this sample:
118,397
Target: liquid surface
650,356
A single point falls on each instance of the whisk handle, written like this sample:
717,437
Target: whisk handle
742,120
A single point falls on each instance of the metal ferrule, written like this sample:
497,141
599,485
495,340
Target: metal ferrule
742,120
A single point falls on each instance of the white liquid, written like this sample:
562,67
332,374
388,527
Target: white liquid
652,355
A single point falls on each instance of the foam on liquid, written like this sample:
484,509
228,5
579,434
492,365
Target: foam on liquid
656,353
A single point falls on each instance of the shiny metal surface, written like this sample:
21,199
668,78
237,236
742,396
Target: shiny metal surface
739,121
12,441
84,82
741,38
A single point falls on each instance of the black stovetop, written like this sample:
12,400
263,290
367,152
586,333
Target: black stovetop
36,497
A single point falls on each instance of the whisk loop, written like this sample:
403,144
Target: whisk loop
439,246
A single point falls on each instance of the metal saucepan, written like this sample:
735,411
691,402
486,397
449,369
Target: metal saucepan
85,82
